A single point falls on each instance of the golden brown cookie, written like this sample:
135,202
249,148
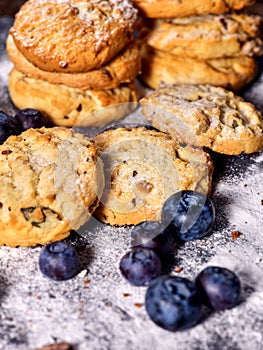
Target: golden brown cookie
50,181
232,73
66,106
205,116
73,36
206,37
142,169
183,8
121,69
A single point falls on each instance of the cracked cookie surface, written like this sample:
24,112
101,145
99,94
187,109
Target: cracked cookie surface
142,168
49,185
206,116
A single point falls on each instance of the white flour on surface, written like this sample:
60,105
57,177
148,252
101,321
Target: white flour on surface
101,310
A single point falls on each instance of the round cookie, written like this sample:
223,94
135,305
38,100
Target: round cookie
206,37
162,67
142,168
205,116
66,106
73,36
121,69
177,8
50,183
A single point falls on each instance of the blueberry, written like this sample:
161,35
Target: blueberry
59,261
152,235
140,265
189,215
8,126
220,287
30,118
173,303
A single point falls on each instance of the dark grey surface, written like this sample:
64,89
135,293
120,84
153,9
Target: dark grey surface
100,310
9,8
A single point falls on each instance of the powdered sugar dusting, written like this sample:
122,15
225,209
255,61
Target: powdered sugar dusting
70,36
101,310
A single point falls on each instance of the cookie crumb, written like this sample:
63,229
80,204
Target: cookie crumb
82,274
236,234
178,269
138,304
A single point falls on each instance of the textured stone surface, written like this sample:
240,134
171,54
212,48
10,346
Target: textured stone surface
99,310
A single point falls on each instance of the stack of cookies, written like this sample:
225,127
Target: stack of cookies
76,61
199,42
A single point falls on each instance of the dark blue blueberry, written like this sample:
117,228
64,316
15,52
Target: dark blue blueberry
8,126
140,266
173,303
59,261
220,287
189,215
152,235
30,118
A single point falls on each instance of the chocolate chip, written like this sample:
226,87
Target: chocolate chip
7,151
223,22
79,108
234,124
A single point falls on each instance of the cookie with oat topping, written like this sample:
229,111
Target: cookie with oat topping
73,36
142,168
50,184
68,106
206,37
205,116
159,66
121,69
